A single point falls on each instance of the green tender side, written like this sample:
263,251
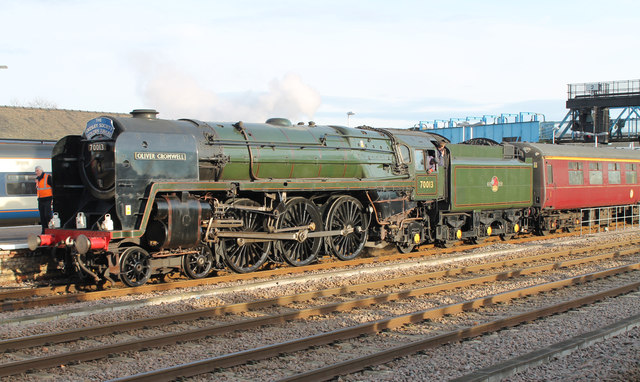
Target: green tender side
488,182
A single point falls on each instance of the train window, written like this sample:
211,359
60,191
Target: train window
420,161
595,173
405,154
576,175
575,166
20,184
614,173
631,176
549,173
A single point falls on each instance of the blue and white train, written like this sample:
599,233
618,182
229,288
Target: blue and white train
18,158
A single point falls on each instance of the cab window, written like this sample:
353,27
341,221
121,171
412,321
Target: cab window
420,160
405,154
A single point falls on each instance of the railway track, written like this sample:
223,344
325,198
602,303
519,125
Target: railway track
63,294
347,302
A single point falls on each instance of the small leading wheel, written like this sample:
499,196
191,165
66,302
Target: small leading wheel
135,266
245,257
299,212
346,214
198,265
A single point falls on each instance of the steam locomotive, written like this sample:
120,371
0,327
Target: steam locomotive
141,196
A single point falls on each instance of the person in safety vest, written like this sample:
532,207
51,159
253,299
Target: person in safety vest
45,196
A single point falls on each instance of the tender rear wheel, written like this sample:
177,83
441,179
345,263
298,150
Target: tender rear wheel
507,237
299,212
135,266
405,248
346,214
477,240
198,265
445,243
245,257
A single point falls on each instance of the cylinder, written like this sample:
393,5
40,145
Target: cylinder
176,222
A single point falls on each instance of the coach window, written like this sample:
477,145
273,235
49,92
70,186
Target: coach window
631,176
595,173
576,176
549,173
20,184
614,173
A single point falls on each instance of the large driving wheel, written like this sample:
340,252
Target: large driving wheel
299,212
198,265
135,266
245,257
346,214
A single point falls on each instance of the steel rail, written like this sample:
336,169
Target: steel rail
97,295
94,331
172,338
427,250
53,296
357,364
274,350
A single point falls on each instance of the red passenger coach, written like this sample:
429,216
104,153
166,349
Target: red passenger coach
570,178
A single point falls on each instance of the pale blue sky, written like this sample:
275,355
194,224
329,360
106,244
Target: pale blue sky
392,63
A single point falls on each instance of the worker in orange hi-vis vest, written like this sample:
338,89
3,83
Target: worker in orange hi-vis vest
45,196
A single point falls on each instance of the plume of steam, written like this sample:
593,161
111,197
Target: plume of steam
289,97
177,95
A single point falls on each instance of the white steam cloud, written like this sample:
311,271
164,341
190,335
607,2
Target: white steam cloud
176,95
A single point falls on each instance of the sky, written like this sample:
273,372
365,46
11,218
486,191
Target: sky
391,63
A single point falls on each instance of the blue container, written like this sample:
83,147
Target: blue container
510,132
